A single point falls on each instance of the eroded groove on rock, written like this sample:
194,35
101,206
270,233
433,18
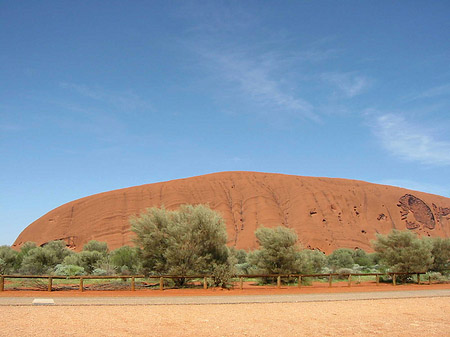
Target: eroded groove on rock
351,209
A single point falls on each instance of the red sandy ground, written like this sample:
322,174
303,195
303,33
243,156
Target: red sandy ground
386,317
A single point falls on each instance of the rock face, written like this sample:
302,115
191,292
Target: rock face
326,213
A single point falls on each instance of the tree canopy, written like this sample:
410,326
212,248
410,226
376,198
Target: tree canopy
404,251
190,240
279,252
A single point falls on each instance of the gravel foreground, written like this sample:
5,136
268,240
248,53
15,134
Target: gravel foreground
394,317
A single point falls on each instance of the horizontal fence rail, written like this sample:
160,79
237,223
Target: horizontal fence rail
205,278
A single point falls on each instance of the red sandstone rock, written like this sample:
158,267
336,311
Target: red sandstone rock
327,213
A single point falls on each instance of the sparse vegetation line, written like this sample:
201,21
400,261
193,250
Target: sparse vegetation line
205,278
174,247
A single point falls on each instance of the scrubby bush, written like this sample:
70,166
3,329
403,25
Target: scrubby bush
191,240
315,260
88,260
361,258
38,261
441,255
345,271
437,277
8,260
239,254
96,246
404,251
69,270
375,258
242,266
100,272
42,260
340,258
279,252
27,247
222,273
93,255
125,260
58,249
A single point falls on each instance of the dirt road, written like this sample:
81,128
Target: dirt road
346,316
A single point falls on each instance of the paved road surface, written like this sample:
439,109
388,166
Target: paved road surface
199,300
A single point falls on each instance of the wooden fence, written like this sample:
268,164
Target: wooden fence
205,278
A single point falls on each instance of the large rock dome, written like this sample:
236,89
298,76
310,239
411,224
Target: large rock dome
326,213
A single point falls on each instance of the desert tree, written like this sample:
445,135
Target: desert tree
190,240
93,256
96,246
441,254
279,251
404,251
125,260
42,260
8,260
340,258
315,260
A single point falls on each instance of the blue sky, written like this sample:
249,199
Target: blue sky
100,95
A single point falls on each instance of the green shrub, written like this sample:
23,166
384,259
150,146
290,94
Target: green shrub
436,277
99,272
191,240
38,261
223,273
441,254
343,272
43,260
8,260
279,252
96,246
340,258
404,251
315,261
361,258
58,249
69,270
125,260
239,254
27,247
88,260
243,268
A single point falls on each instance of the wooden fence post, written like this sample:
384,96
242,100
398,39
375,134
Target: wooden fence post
349,280
418,278
330,280
132,284
49,284
81,284
241,282
394,278
161,283
2,283
279,282
205,283
429,279
299,281
378,279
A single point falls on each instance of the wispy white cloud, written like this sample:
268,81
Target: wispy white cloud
411,142
281,74
441,90
256,82
348,84
124,100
